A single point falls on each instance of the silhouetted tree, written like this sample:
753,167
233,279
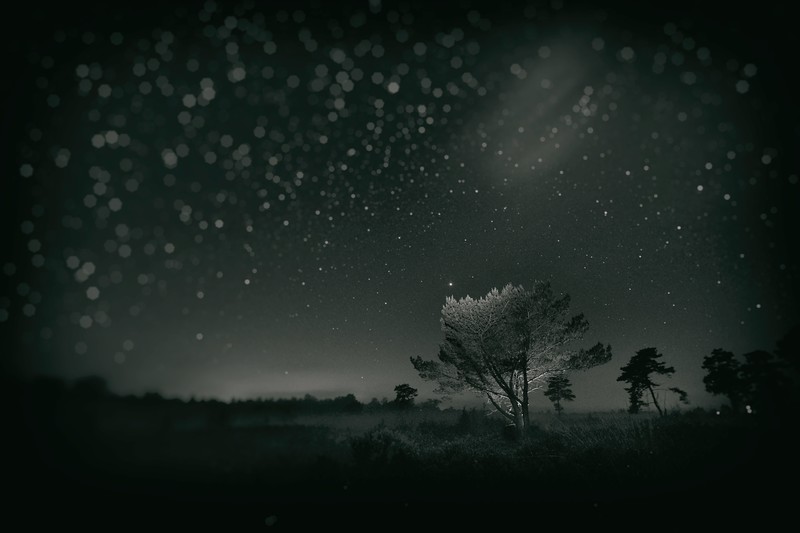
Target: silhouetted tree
788,353
405,395
682,396
637,373
558,390
767,384
724,377
91,388
788,349
505,344
152,397
348,403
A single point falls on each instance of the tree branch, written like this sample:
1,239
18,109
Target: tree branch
499,410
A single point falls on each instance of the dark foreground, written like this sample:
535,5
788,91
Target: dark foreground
114,462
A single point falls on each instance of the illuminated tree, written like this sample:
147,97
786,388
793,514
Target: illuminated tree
506,344
558,390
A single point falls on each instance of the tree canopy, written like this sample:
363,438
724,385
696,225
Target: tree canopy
639,372
404,395
506,344
559,389
788,349
724,377
766,382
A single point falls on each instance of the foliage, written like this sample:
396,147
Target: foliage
639,372
788,349
723,377
405,395
559,390
382,447
682,396
767,385
91,387
505,344
764,382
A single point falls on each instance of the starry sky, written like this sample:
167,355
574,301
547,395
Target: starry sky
238,200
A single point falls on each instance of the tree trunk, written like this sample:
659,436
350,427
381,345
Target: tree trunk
558,408
499,409
518,419
655,402
525,415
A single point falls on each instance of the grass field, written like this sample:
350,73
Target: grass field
217,458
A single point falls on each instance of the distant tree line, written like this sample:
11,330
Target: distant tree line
52,391
759,381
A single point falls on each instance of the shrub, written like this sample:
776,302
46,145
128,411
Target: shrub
382,447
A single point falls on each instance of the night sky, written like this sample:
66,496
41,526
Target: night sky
233,200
